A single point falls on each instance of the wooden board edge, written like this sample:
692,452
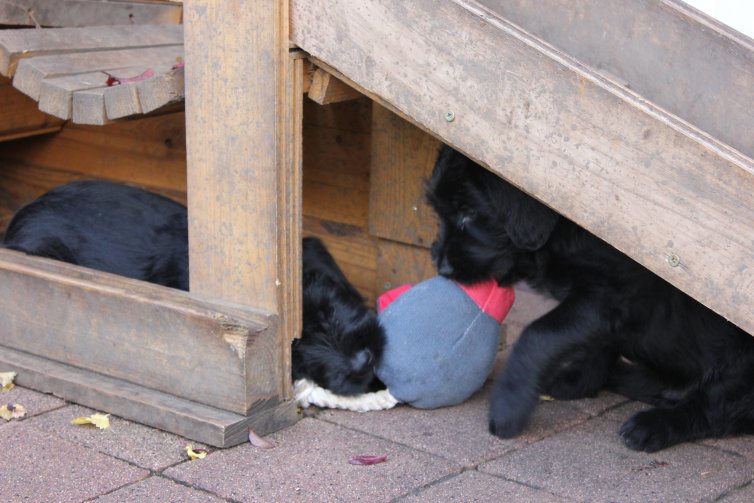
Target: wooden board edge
153,408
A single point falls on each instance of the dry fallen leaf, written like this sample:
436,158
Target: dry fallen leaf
101,421
367,460
195,454
12,411
258,441
6,380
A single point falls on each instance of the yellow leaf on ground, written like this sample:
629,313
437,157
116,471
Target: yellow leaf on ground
101,421
195,454
12,411
546,398
6,380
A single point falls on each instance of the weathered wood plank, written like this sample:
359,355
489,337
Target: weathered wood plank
18,44
638,177
71,13
147,406
675,56
56,93
31,72
142,333
150,152
325,89
166,88
399,264
241,170
20,116
88,106
402,159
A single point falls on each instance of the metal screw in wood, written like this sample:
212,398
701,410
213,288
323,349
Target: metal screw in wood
674,260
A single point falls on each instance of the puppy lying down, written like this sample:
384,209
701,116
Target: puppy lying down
128,231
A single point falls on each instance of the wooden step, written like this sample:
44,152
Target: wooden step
657,188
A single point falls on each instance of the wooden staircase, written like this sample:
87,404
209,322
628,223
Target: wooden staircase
599,143
633,119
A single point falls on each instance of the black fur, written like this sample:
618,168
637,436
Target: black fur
128,231
109,227
341,341
617,326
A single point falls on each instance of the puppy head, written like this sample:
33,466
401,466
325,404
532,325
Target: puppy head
487,226
341,341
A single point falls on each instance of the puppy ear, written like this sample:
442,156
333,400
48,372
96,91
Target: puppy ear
528,222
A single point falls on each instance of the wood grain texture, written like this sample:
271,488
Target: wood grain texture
402,159
399,264
677,57
242,170
71,13
634,175
146,334
31,72
325,89
150,152
147,406
20,116
16,45
336,161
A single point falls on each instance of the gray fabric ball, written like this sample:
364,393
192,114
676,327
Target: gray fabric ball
441,345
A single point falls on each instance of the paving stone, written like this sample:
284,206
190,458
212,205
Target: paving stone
141,445
458,433
599,404
35,402
43,467
743,445
157,489
310,463
589,462
739,495
529,306
480,487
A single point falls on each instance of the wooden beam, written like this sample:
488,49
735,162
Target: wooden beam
653,186
668,52
16,45
183,417
156,337
243,145
325,89
70,13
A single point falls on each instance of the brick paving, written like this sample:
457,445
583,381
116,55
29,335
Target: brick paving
571,452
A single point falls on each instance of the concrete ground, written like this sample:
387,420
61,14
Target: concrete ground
570,452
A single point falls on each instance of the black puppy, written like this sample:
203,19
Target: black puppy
109,227
131,232
341,341
618,326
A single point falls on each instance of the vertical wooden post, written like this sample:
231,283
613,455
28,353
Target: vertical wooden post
243,112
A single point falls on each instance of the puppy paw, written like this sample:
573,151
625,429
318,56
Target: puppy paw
510,414
649,431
